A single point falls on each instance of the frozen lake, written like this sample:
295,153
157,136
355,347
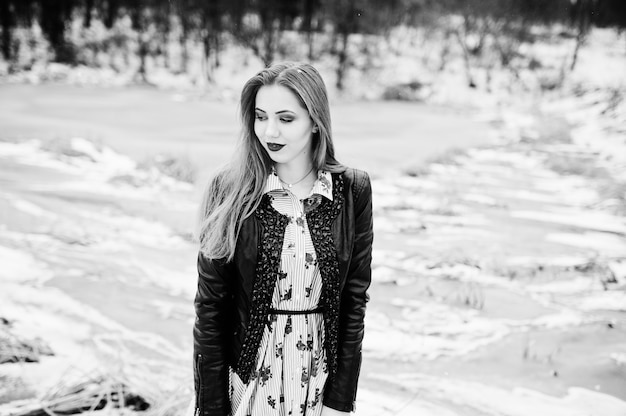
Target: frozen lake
491,273
376,136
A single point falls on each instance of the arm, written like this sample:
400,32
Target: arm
340,393
213,305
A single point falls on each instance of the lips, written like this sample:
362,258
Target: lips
275,147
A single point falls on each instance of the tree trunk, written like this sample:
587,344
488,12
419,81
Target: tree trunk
165,51
88,9
164,40
309,40
143,53
343,60
6,22
206,56
307,25
216,49
184,54
583,21
579,41
271,40
345,25
53,26
466,60
111,13
333,43
445,51
581,37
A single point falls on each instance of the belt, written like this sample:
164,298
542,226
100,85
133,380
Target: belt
273,311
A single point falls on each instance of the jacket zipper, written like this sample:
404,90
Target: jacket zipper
200,385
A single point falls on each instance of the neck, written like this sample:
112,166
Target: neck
290,174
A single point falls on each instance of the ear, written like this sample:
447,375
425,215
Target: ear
314,129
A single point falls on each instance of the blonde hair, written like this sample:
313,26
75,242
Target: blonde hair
235,192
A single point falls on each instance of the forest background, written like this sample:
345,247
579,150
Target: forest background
148,34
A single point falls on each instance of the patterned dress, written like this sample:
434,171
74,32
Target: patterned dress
290,369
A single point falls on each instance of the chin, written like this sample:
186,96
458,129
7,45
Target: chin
273,156
277,158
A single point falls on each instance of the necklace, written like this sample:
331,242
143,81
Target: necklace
289,185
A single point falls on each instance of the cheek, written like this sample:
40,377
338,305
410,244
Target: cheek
258,130
303,132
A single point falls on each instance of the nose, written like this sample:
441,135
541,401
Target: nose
272,129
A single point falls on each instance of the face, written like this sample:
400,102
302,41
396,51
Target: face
283,126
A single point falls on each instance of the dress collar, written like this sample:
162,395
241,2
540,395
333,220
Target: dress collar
323,185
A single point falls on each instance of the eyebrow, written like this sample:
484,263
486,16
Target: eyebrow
278,112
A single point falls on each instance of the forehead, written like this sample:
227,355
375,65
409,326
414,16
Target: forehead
275,98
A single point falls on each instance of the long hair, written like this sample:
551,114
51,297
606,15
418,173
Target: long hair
234,193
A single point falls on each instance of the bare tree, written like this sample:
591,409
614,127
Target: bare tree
581,18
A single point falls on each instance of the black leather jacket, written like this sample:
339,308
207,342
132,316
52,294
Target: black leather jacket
233,298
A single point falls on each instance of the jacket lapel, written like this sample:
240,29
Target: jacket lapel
320,222
272,226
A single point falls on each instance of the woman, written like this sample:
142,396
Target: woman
285,261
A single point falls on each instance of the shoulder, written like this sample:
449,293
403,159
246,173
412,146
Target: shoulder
356,181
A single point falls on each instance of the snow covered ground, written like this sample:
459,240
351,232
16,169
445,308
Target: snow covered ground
499,271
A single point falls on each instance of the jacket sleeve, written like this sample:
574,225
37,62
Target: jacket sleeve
213,304
340,393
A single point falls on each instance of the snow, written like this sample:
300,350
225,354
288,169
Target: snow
562,319
375,403
480,199
129,230
67,324
30,208
180,283
604,301
18,266
619,358
612,245
598,221
618,269
101,169
478,398
562,261
28,152
569,286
